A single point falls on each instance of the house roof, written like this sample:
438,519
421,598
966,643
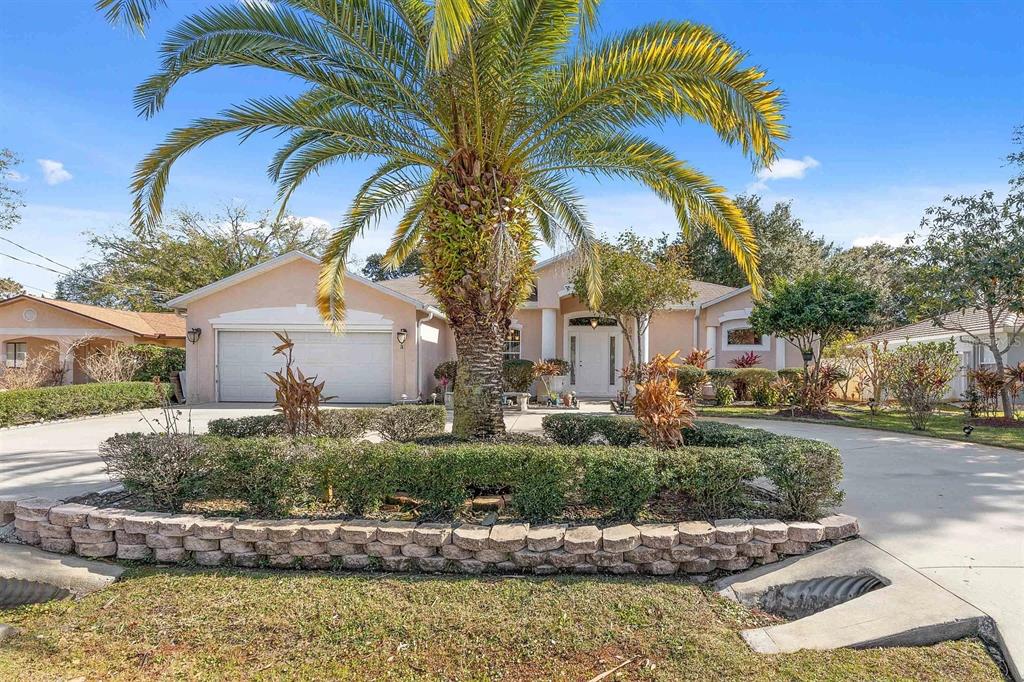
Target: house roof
141,324
411,286
709,292
971,320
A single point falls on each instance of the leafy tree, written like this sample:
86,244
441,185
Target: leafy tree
188,251
787,249
918,376
639,277
812,312
886,269
10,197
377,270
9,288
479,114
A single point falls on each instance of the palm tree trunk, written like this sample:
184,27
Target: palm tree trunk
478,382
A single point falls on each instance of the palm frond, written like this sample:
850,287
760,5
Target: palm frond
133,14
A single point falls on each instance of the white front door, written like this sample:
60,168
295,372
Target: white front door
595,356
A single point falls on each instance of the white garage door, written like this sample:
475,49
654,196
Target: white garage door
356,366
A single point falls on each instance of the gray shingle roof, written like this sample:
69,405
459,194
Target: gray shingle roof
972,320
410,286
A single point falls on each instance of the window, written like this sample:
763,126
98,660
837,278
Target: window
738,335
533,294
572,360
16,354
587,322
513,344
742,336
611,360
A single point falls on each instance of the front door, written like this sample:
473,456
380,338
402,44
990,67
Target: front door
595,356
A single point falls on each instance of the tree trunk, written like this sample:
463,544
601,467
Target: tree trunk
1004,392
478,382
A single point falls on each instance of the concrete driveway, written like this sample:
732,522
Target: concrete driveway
952,511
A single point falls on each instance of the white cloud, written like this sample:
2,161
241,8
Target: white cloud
895,239
15,176
54,172
312,222
783,169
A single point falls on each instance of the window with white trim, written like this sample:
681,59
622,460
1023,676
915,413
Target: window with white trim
739,335
513,344
16,354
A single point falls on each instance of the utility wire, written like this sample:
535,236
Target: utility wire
34,253
90,279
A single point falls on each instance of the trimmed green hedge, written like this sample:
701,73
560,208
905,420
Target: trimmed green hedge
30,405
581,429
398,422
157,361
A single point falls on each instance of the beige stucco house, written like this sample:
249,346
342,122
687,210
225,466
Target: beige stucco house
63,334
396,334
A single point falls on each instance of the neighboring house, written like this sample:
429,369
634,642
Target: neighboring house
395,333
64,333
973,355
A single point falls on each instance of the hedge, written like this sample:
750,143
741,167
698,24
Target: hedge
30,405
398,422
157,361
580,429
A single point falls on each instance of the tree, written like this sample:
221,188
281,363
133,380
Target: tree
971,262
639,277
376,269
812,312
187,252
9,288
479,113
918,375
787,249
10,197
886,269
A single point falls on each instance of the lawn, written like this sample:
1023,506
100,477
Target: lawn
162,624
947,423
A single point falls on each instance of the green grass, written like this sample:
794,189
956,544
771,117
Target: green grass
947,423
164,623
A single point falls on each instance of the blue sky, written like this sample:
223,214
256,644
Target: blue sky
891,106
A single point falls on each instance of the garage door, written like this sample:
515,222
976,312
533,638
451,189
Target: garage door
356,366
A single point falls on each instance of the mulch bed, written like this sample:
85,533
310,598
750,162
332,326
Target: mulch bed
800,413
998,422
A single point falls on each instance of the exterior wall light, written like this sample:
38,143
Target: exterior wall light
193,334
593,323
808,355
402,335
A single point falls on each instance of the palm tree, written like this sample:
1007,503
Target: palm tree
480,113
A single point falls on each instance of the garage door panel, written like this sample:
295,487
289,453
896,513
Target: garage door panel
356,366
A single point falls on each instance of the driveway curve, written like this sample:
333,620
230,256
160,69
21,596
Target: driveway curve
952,511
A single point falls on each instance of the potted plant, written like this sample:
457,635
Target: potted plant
552,374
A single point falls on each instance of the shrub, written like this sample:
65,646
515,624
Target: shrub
157,361
807,474
408,422
580,429
765,395
348,423
262,472
620,481
296,396
698,358
517,375
661,412
718,435
168,469
724,396
918,376
691,380
445,374
794,375
115,363
755,376
29,405
712,477
721,376
264,425
748,359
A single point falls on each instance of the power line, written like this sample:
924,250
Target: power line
125,287
34,253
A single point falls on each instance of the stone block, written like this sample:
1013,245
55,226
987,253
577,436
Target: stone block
697,566
6,518
473,538
157,541
142,523
544,569
33,508
455,553
396,532
58,545
839,526
380,550
718,552
178,525
696,533
283,531
620,538
70,515
660,567
770,530
545,538
320,531
29,537
48,530
418,551
582,540
193,544
471,566
681,553
341,548
123,537
504,567
432,534
79,534
9,502
106,519
214,528
96,549
303,548
432,564
644,554
527,558
246,560
806,531
791,547
355,562
488,503
559,558
740,563
584,568
733,531
359,532
397,563
754,548
625,568
27,525
317,562
233,546
134,552
250,531
604,558
212,558
659,535
491,556
769,558
170,555
281,561
509,537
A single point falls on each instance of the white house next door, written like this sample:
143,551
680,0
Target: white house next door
595,356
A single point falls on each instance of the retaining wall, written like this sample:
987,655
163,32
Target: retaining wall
690,547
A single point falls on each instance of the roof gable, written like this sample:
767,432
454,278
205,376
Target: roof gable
140,324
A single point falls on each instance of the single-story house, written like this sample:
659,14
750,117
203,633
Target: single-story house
64,333
973,355
396,334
